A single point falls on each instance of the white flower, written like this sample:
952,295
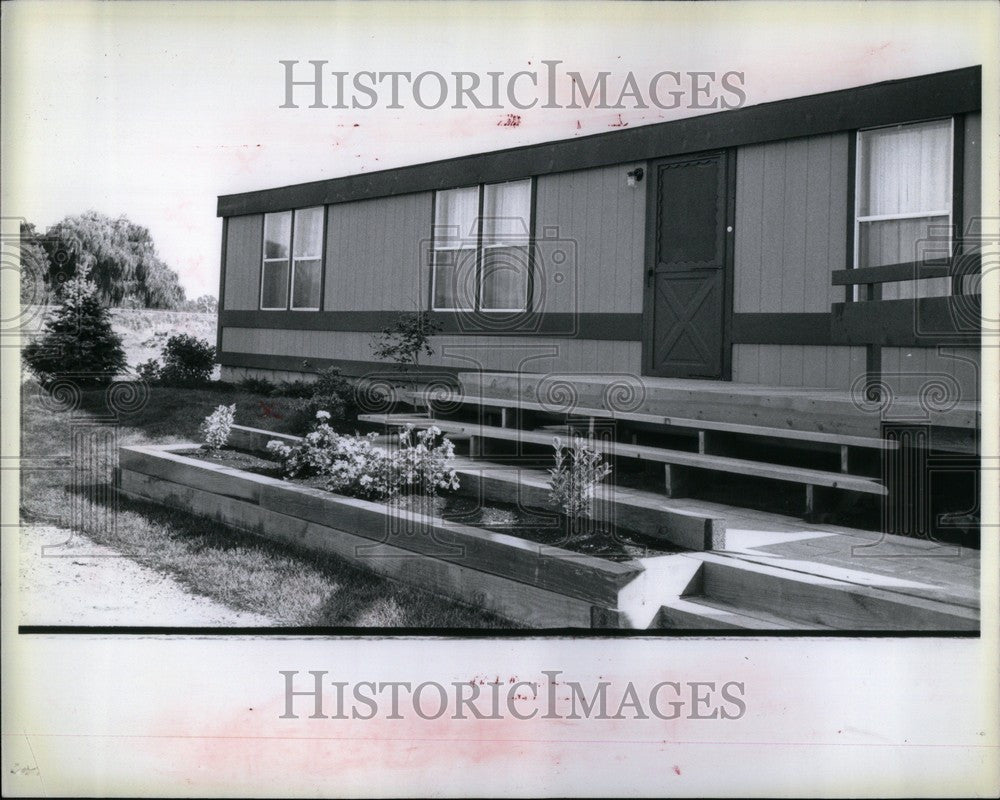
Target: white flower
323,415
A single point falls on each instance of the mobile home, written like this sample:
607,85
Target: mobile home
762,262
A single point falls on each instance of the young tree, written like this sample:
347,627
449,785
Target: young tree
78,340
406,339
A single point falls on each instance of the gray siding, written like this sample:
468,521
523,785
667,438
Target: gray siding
790,235
798,365
244,240
590,231
373,254
530,354
791,224
973,172
972,180
915,370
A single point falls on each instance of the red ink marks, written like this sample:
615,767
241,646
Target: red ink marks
677,770
619,124
510,121
267,410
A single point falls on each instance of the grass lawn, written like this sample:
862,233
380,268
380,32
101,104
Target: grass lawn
291,587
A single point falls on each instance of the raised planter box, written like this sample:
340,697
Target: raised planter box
634,511
538,585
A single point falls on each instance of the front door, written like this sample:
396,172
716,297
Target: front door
688,246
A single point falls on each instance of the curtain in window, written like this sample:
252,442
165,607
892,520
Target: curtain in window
506,231
274,275
455,243
277,234
309,233
274,284
308,258
904,196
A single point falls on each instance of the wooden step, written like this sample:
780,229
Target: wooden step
812,599
800,408
672,421
739,466
696,612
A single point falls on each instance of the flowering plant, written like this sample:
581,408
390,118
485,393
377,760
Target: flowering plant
217,426
356,466
427,462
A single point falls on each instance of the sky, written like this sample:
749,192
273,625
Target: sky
153,110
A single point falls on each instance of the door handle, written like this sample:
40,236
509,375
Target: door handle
650,274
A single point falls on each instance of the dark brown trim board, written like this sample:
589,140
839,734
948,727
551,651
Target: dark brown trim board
348,367
890,273
937,95
923,322
222,287
606,327
782,328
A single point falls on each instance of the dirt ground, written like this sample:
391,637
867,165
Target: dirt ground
66,579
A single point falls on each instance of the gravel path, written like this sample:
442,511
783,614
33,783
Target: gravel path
66,579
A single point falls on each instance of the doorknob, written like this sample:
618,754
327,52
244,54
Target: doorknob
650,274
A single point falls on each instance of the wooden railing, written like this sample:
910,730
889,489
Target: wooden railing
915,322
868,320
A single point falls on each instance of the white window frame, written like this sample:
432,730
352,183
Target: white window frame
290,262
479,249
458,249
860,172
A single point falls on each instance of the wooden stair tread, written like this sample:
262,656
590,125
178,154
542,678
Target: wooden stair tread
837,480
700,612
677,422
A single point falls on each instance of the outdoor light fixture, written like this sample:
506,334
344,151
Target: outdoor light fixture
634,177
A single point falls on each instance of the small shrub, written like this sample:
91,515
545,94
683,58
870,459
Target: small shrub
296,389
330,392
257,386
187,361
78,340
217,426
577,472
149,371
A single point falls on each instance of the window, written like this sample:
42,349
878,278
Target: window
307,259
481,256
904,175
274,274
291,274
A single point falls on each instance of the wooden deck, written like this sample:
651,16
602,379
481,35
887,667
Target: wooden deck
829,411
